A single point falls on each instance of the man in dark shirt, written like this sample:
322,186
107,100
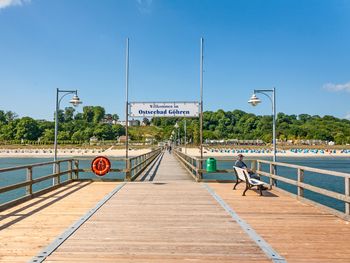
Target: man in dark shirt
239,163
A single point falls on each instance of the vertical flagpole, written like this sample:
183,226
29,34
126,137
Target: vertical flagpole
127,105
201,104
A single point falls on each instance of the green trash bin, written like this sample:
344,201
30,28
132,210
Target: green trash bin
211,165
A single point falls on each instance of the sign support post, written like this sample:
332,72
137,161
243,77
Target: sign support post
127,111
201,107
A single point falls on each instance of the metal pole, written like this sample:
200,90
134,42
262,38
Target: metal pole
274,123
127,103
56,132
201,103
178,136
185,137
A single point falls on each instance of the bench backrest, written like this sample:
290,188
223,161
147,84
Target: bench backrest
241,173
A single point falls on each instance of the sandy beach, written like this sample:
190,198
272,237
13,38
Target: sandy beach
263,152
47,153
207,152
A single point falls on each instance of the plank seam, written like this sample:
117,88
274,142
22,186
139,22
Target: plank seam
264,246
47,251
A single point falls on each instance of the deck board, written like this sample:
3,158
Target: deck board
169,219
299,232
29,227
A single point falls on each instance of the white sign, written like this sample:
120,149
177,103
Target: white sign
164,109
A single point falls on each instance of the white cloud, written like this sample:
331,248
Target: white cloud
7,3
337,87
144,6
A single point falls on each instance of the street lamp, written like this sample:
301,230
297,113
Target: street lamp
185,131
176,126
254,100
75,101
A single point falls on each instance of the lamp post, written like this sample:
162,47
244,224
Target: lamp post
254,100
185,131
173,137
176,126
75,101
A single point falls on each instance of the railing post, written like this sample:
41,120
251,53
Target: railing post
198,173
253,165
258,168
272,172
347,194
128,170
29,188
58,177
76,169
300,180
70,165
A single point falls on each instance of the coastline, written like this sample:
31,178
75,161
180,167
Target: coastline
195,152
69,153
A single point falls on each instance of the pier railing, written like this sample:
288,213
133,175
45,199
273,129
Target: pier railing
136,165
273,176
30,180
191,164
66,171
272,171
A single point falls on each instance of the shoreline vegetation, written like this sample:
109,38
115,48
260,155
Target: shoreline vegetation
95,125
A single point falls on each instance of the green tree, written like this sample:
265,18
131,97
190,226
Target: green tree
88,113
115,117
99,113
48,135
27,129
68,114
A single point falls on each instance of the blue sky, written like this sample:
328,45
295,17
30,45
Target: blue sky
301,47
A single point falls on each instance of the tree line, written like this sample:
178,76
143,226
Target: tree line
241,125
236,124
73,127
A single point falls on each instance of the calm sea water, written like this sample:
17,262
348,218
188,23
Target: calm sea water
9,178
333,183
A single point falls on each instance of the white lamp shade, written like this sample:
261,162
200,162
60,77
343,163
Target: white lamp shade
254,100
75,101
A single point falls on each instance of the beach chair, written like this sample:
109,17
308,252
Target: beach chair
243,176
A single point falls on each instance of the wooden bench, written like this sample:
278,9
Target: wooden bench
243,176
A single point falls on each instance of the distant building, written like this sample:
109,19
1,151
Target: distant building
122,139
93,140
131,123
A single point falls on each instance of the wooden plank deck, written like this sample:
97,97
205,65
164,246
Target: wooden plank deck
298,231
172,219
29,227
169,170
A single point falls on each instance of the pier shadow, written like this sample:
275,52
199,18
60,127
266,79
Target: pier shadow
68,190
266,193
155,171
155,163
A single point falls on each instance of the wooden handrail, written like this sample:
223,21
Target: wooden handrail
271,174
2,170
306,168
73,174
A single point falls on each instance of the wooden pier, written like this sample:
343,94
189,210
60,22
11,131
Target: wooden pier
166,216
